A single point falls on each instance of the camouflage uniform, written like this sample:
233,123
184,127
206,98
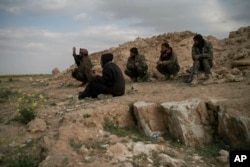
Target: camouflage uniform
136,67
170,65
84,65
205,61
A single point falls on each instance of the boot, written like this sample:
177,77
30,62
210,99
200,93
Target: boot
167,76
175,77
209,79
194,80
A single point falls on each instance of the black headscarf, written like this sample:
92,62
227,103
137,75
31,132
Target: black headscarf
200,41
107,57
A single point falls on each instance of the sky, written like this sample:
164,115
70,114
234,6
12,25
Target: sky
38,35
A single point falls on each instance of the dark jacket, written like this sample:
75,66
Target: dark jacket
111,82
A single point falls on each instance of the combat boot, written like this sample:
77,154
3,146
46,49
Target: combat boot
144,78
167,76
175,77
194,80
209,79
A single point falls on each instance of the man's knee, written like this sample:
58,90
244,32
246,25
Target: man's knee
128,73
141,71
206,66
160,68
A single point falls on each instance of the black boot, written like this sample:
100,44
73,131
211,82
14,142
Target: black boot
82,95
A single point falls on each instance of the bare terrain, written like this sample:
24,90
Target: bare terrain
76,133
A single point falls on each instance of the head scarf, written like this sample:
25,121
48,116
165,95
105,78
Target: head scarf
107,57
83,51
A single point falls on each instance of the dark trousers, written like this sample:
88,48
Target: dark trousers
136,73
79,76
169,69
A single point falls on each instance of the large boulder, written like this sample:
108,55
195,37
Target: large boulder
188,121
149,118
235,130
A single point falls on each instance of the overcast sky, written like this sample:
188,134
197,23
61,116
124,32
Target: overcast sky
38,35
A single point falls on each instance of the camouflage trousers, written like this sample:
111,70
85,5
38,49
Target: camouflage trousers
136,73
169,69
203,65
79,75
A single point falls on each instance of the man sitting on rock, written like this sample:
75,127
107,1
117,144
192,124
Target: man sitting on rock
111,82
84,65
202,55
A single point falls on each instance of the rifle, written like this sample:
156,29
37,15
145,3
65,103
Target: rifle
190,76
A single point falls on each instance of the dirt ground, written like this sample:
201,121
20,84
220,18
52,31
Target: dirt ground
60,92
235,94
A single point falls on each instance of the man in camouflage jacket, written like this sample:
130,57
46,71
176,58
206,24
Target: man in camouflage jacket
136,67
202,55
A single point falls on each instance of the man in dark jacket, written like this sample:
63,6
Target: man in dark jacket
111,82
202,55
84,65
168,64
136,67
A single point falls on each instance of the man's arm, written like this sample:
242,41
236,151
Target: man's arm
130,64
195,53
208,51
76,57
141,61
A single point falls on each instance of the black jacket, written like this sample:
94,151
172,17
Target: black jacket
111,82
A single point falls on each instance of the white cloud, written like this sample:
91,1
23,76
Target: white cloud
14,10
82,17
49,34
34,46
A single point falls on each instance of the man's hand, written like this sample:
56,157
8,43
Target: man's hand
159,62
92,72
196,57
74,50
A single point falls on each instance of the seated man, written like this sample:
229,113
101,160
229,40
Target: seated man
136,67
84,65
202,55
168,64
111,82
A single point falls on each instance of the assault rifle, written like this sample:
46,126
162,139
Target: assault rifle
190,76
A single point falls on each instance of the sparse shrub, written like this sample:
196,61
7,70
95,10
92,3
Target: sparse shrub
26,106
26,115
210,150
65,161
134,133
140,160
23,160
76,144
86,116
5,94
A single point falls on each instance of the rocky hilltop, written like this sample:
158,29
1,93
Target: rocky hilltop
229,53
